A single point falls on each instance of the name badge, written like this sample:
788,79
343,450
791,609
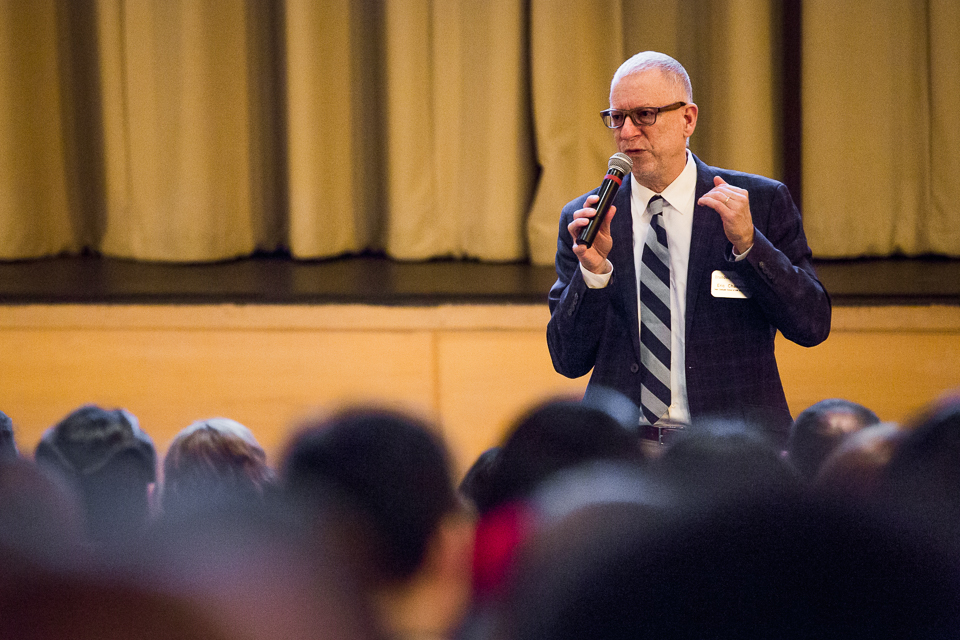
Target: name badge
727,284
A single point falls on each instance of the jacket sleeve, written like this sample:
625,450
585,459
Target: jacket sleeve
577,313
780,272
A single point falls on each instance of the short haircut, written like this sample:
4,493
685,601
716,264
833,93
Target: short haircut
646,60
89,439
106,456
556,435
811,437
214,459
389,468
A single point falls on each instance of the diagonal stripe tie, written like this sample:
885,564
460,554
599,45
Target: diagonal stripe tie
655,334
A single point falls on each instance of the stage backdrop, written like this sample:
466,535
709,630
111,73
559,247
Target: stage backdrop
199,130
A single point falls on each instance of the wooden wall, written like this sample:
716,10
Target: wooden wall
472,369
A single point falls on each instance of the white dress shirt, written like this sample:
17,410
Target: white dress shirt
678,206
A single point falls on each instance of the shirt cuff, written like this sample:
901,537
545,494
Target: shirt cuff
598,280
738,257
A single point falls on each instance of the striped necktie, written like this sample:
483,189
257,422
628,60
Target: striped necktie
655,338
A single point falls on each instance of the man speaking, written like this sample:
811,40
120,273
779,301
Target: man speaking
677,300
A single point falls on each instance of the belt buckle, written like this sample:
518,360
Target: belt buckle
665,428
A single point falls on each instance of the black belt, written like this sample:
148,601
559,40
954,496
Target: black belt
660,435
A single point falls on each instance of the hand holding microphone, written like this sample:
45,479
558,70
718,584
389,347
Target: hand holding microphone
618,166
585,226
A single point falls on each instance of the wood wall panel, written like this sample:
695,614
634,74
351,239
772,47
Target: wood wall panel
473,369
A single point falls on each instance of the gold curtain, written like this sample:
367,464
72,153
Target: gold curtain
199,130
881,101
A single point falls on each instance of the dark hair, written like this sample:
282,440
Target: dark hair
90,438
556,435
922,478
106,456
723,458
8,446
392,470
759,568
819,429
211,460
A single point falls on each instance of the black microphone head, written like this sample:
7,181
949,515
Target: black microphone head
620,162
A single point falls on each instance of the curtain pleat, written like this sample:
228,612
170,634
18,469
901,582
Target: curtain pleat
880,105
178,130
34,192
179,133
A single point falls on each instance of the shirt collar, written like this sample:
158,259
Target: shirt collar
679,194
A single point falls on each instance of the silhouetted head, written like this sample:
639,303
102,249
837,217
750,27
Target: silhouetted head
553,436
820,428
390,470
213,460
721,459
755,568
855,468
922,479
110,461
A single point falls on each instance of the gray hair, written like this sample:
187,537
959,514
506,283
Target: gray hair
653,60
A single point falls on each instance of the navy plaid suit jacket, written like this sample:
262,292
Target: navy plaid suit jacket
730,365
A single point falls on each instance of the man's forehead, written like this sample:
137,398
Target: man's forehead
643,86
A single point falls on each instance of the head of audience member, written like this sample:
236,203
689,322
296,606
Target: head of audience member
214,460
41,524
392,474
758,568
105,456
723,459
555,435
853,471
922,479
260,569
820,428
8,446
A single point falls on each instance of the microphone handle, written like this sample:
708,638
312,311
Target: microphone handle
608,189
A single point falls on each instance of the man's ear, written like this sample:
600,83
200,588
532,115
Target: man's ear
690,113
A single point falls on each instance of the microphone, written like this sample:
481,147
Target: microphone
619,166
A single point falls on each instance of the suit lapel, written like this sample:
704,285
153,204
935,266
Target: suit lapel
622,257
706,226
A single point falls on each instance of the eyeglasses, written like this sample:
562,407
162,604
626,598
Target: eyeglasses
614,118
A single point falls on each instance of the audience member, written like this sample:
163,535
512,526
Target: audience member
578,535
41,524
922,480
853,471
260,569
819,429
755,568
111,463
551,437
393,474
8,446
725,459
214,460
555,435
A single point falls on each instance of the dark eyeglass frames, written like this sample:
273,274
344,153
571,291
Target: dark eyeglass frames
614,118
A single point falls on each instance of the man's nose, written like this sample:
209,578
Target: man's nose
629,130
